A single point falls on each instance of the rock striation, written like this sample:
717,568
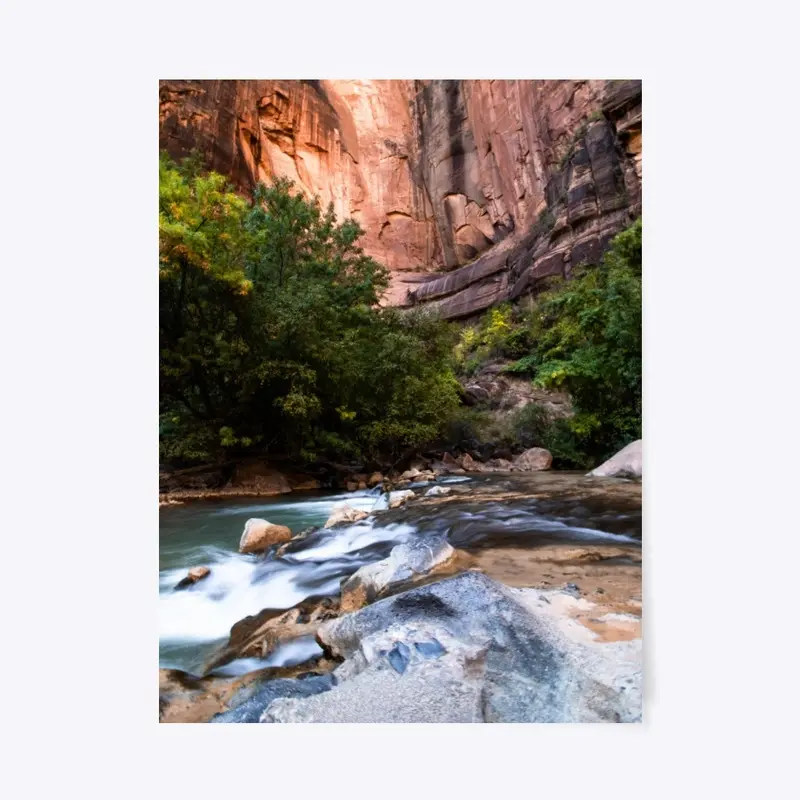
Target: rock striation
470,191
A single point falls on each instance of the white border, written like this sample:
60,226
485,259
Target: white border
79,307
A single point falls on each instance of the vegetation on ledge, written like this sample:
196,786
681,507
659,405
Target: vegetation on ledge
583,336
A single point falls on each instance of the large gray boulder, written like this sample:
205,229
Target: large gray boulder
468,649
627,463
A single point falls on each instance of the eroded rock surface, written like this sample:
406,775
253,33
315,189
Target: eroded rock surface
467,649
500,184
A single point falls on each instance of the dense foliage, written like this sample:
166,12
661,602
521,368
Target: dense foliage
588,341
583,336
271,337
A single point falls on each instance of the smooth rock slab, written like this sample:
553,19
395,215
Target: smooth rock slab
627,463
509,656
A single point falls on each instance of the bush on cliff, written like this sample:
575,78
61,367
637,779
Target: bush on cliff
271,338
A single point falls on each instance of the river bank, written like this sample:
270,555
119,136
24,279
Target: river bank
566,541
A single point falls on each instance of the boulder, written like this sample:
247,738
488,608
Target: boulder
627,463
342,512
438,491
259,535
351,486
533,460
448,465
410,474
195,574
397,499
374,479
468,649
476,394
406,563
469,464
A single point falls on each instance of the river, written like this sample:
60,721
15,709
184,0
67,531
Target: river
194,622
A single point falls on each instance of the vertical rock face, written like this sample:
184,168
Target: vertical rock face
499,184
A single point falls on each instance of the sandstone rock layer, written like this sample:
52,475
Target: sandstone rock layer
471,192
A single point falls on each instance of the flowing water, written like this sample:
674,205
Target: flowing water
194,621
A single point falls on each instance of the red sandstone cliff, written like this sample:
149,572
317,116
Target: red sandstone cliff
471,192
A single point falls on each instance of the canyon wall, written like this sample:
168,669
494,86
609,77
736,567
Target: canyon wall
470,192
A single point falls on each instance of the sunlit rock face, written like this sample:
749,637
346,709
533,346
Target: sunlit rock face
500,184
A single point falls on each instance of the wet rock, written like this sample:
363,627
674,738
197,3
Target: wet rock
438,491
351,486
259,635
343,512
195,574
406,563
397,499
374,479
506,656
533,460
627,463
259,535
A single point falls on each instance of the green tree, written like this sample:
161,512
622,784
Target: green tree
272,339
588,340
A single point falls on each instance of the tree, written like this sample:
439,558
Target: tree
272,339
